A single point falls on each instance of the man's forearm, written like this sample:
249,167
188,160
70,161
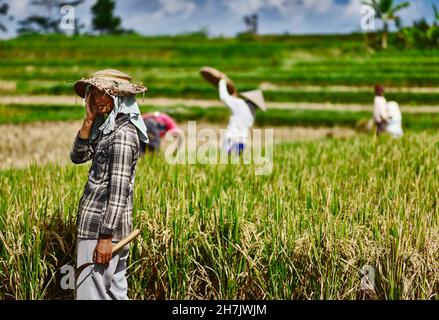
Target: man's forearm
84,132
81,150
223,92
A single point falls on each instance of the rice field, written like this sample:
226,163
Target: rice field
305,115
337,202
329,208
30,143
169,66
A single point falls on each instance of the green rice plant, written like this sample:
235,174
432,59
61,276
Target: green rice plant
169,65
18,113
305,231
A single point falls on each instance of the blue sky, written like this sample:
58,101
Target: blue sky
225,17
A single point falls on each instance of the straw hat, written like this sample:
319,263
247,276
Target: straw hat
214,76
256,97
114,82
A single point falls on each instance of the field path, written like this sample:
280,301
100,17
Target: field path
165,102
18,148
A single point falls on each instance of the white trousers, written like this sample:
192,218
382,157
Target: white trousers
101,282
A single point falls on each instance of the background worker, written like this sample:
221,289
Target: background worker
387,115
242,118
380,115
158,125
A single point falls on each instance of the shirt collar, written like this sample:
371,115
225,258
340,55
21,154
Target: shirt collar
122,119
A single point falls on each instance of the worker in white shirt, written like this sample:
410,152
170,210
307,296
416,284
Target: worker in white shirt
243,112
380,114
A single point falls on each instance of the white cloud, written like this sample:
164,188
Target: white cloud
353,8
416,10
318,6
241,8
284,7
19,7
226,16
176,8
168,16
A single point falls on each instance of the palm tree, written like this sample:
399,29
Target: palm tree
386,11
4,8
436,14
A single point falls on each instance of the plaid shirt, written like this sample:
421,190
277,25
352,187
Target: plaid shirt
107,202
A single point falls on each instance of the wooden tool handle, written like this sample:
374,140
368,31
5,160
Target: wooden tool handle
122,243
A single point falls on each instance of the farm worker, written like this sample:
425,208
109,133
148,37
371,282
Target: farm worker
109,136
380,114
243,113
158,125
387,115
394,122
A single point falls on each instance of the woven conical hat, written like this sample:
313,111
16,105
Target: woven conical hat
114,82
255,96
214,76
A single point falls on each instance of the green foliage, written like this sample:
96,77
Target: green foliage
421,34
273,117
37,24
327,209
103,19
386,11
4,8
169,66
218,231
45,24
201,33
